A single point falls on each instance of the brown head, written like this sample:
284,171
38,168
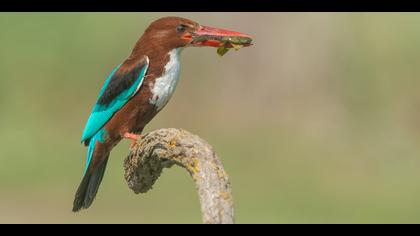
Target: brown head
176,32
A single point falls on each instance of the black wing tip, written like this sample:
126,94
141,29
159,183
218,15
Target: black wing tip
79,205
79,198
82,202
89,186
76,208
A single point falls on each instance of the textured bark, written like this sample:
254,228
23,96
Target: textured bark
165,147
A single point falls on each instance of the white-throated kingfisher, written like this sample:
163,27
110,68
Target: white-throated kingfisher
136,91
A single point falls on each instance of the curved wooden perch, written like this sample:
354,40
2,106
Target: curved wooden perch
165,147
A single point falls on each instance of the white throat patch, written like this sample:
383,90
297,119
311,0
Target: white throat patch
165,85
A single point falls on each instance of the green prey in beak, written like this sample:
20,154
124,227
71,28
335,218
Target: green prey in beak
223,43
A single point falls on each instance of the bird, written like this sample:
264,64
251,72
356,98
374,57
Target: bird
135,91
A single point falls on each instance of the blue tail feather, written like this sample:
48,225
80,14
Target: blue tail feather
99,136
92,179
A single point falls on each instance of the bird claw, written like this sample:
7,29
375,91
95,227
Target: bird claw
132,136
133,144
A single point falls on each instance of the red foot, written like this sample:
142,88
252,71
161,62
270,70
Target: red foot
133,143
132,136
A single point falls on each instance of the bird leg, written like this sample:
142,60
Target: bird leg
133,137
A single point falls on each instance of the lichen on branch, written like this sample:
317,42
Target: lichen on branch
164,148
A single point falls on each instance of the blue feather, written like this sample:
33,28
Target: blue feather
101,114
100,137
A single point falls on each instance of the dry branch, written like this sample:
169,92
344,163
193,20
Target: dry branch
165,147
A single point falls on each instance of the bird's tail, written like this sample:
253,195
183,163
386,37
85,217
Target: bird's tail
97,159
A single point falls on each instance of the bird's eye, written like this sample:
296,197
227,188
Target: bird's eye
181,28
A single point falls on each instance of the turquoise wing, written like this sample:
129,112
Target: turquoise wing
119,87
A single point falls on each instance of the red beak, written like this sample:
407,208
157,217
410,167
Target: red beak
215,33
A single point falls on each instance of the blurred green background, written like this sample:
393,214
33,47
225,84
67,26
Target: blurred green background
318,122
